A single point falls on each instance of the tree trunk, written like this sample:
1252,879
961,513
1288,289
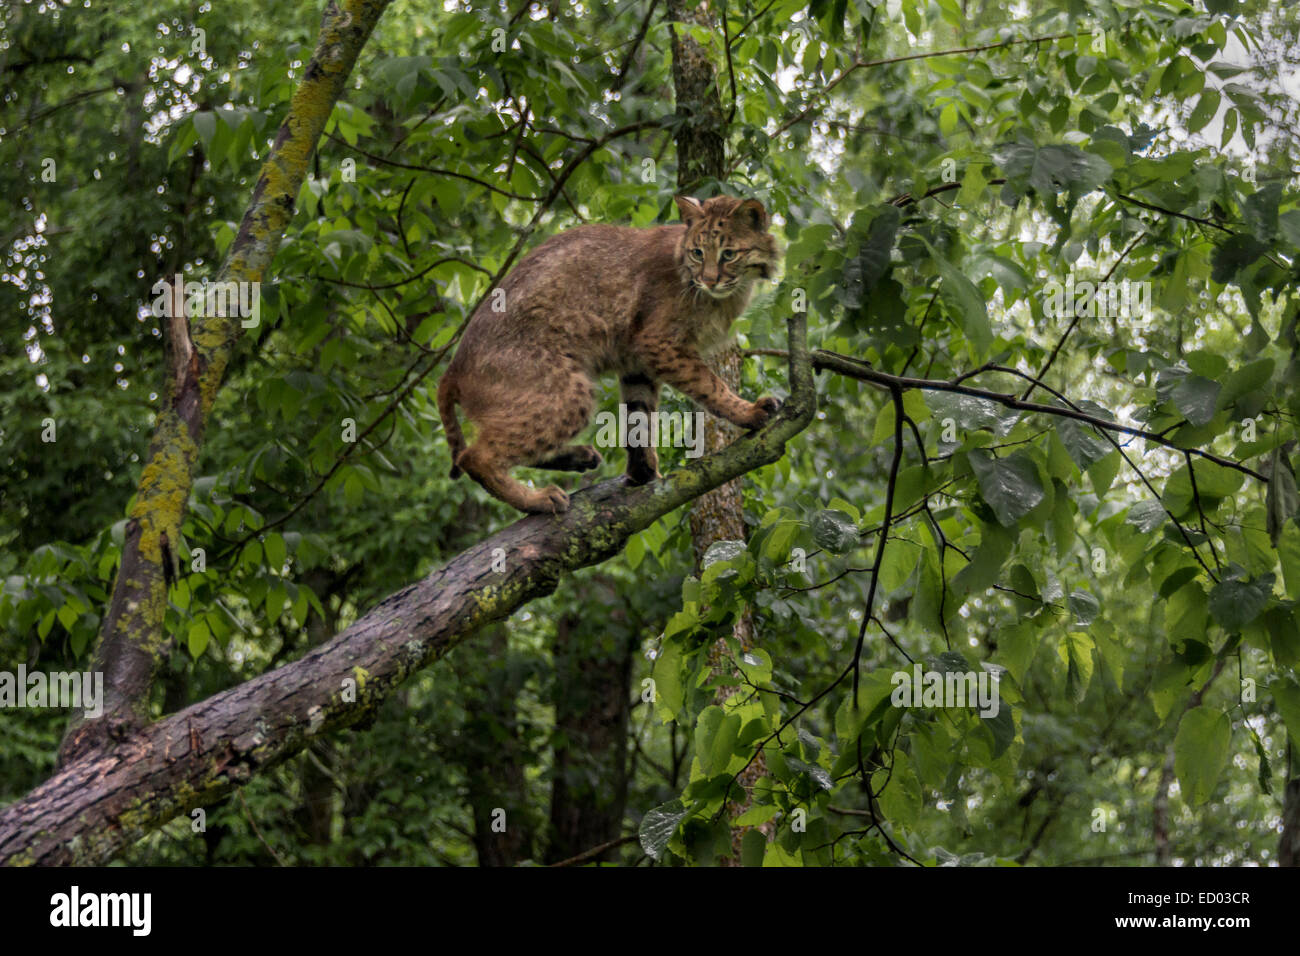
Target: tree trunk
701,159
589,784
494,758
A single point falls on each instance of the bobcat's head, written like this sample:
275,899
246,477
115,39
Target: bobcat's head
726,245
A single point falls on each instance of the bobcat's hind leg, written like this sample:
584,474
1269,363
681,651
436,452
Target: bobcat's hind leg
532,427
641,396
481,463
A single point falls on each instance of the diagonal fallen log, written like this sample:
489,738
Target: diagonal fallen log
111,796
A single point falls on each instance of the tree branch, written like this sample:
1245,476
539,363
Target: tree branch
860,370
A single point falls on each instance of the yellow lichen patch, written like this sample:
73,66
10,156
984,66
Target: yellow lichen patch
210,381
165,485
24,857
488,598
211,334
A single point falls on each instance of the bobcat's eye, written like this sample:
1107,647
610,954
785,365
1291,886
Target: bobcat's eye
727,255
697,254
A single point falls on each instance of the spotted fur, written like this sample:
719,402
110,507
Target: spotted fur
647,304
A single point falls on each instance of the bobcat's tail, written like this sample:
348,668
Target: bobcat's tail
451,427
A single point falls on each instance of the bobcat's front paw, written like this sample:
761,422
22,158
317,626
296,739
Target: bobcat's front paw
761,411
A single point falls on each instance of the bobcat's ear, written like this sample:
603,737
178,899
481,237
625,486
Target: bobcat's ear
752,212
689,208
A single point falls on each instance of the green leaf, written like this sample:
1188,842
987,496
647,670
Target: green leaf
658,827
756,815
756,665
1196,398
1206,108
205,124
1017,645
1265,769
1002,726
834,531
1102,473
776,546
1288,550
972,185
721,551
1084,443
1213,483
1185,615
1288,225
864,271
968,411
1053,169
1146,516
817,774
276,552
1283,635
1259,211
985,564
715,739
667,675
1201,752
1010,486
1233,255
197,638
960,293
635,551
873,699
901,799
1235,603
1084,605
1247,380
1075,650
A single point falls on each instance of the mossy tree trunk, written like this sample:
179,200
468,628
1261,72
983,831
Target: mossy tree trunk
132,645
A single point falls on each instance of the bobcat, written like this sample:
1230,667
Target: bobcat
645,303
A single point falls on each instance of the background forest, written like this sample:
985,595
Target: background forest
942,175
